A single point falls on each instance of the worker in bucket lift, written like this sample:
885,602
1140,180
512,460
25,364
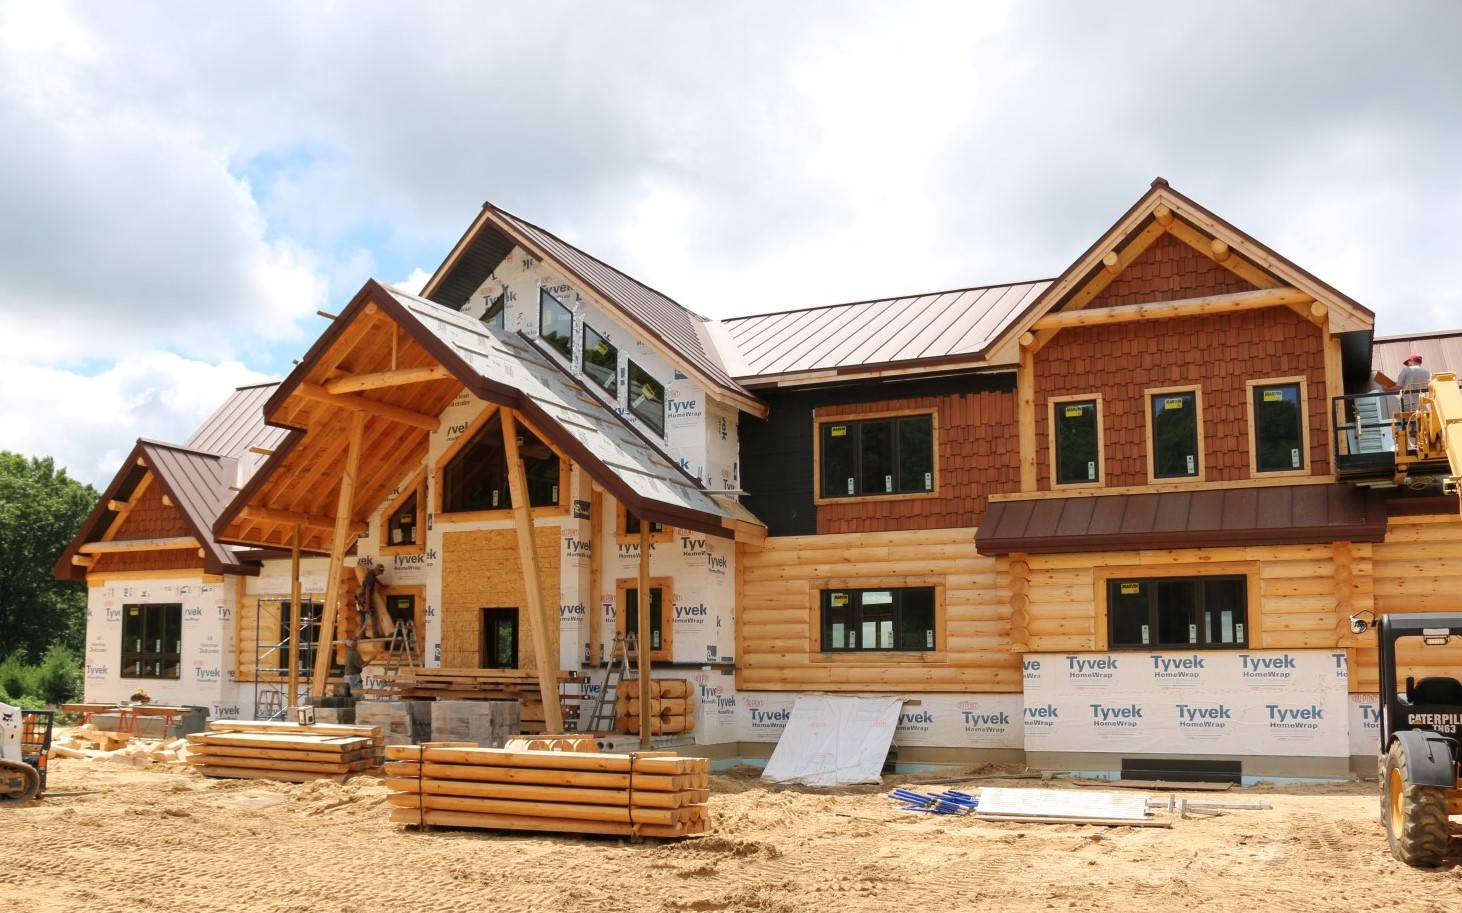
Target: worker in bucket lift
1411,382
353,665
365,598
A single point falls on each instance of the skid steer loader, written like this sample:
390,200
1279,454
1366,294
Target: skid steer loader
25,740
1421,732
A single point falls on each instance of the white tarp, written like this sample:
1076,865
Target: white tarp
834,740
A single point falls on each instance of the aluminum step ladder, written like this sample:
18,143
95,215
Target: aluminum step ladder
623,664
400,649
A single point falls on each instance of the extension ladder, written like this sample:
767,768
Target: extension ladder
623,663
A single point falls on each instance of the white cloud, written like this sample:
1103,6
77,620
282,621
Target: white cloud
90,422
200,179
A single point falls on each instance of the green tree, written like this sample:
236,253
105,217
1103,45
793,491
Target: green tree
41,508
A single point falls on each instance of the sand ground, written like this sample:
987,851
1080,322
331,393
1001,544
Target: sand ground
108,837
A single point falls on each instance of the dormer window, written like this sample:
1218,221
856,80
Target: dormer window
647,398
601,361
555,324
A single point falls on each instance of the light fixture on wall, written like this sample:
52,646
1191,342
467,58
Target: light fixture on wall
1359,625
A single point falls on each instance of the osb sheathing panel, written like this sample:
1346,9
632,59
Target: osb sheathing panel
1219,353
778,635
1169,270
481,569
978,455
150,518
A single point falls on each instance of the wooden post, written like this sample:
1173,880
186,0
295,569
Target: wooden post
326,650
294,619
532,586
1025,386
643,642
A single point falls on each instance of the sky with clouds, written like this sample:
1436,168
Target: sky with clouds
183,185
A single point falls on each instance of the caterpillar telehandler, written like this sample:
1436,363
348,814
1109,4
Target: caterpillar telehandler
1421,720
25,739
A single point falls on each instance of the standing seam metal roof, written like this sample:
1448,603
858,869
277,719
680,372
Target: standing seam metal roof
960,322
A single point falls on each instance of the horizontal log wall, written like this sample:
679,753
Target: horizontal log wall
1417,569
1301,595
778,626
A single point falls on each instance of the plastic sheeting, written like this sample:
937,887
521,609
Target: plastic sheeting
834,741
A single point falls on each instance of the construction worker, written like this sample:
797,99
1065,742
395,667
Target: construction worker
353,664
365,598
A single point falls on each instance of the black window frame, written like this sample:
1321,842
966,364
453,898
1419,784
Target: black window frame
1064,437
483,453
590,354
1260,414
405,516
854,610
838,458
649,407
1160,430
152,662
561,343
661,616
1125,614
310,633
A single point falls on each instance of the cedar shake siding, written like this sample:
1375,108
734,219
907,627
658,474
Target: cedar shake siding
1217,353
1169,270
977,455
150,518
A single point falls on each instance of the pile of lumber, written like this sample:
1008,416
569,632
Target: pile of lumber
519,685
672,706
644,794
284,751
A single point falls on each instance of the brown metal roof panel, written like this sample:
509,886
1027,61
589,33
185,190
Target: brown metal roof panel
1215,518
1275,508
849,329
1440,351
1174,512
1140,513
803,341
238,424
1240,508
1011,303
1076,517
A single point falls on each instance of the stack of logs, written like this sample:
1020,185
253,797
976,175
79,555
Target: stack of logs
644,794
285,751
672,706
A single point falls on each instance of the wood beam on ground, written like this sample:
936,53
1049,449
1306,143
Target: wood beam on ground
369,406
1188,307
394,378
532,585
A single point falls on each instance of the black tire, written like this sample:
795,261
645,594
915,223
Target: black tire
1415,816
27,778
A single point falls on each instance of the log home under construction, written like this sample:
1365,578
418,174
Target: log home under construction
1115,520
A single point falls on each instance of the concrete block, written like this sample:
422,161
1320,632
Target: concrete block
488,723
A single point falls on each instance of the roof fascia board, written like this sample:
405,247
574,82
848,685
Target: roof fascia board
92,529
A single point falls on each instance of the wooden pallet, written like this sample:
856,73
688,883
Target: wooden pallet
647,794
